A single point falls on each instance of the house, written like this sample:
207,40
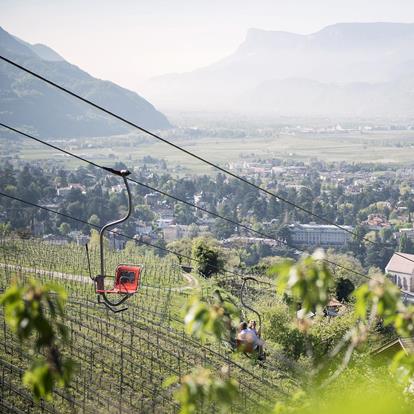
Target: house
323,235
143,228
80,238
377,222
334,307
119,188
176,231
163,223
116,241
401,268
64,191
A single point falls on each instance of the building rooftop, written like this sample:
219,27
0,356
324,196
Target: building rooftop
399,263
320,226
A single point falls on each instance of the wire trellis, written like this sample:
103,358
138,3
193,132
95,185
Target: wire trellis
123,359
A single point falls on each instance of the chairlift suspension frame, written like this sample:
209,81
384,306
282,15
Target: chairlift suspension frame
246,347
127,277
259,317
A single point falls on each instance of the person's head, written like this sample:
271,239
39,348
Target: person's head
243,326
252,324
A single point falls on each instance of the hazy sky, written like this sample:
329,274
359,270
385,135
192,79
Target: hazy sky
127,41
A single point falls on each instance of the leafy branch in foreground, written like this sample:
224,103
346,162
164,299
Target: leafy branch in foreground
202,386
35,311
203,320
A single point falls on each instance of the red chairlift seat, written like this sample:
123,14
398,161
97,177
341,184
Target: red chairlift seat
127,280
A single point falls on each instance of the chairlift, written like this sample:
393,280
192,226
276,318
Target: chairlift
127,277
243,345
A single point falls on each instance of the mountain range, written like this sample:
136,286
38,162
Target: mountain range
354,69
26,102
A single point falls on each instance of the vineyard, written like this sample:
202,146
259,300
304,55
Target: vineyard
123,359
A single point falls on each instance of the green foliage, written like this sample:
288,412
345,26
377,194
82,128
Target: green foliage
203,387
208,257
94,240
308,281
362,390
316,342
346,262
95,220
203,320
343,290
64,229
182,247
406,244
378,297
35,313
281,329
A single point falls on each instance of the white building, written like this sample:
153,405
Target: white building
246,241
408,232
401,268
64,191
143,228
323,235
116,241
163,223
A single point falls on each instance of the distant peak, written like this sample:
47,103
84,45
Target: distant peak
260,37
255,32
368,27
46,53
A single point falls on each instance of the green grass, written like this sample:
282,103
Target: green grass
380,147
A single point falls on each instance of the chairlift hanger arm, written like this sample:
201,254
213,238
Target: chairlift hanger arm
124,174
245,280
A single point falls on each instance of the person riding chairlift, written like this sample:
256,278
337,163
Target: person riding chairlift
252,326
248,338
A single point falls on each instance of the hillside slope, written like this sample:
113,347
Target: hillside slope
29,103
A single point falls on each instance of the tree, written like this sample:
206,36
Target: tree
144,213
207,257
182,248
64,229
344,288
94,219
94,240
184,214
378,254
406,244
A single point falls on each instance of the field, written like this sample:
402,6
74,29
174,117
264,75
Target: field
395,147
123,359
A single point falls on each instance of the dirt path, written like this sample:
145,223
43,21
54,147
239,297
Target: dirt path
192,281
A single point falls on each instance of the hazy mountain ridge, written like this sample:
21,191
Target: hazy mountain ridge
29,103
340,57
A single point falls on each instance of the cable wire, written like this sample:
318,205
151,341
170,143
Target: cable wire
236,223
169,195
191,154
178,199
154,245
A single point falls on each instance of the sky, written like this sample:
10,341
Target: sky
129,41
